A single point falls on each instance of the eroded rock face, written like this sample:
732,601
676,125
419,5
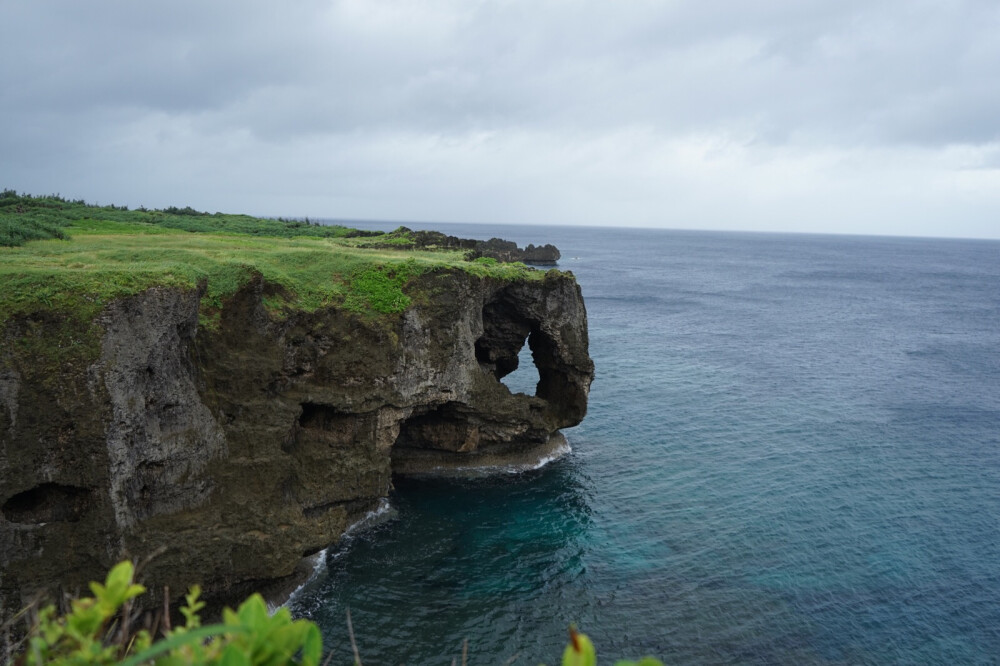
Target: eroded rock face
234,451
161,435
495,248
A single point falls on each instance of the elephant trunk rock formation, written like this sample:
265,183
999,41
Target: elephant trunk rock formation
234,450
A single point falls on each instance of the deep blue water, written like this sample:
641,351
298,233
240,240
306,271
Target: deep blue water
792,456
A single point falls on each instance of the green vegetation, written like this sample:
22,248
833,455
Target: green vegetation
400,238
381,288
580,652
62,263
24,217
73,258
17,228
98,631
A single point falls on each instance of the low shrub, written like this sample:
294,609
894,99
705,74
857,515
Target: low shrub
15,231
96,631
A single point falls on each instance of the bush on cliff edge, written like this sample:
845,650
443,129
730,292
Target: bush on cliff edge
97,630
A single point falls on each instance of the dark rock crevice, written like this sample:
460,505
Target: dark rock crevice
327,423
48,503
444,427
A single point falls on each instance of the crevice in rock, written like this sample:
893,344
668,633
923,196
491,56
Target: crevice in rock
445,427
325,424
352,508
48,503
316,415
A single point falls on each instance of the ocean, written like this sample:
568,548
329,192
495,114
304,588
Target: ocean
791,456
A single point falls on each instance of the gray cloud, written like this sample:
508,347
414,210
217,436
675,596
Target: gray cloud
453,109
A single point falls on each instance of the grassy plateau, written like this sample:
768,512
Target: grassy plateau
73,258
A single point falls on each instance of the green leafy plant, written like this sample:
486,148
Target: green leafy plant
78,636
248,636
96,632
580,652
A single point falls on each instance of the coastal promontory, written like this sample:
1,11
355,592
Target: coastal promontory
219,396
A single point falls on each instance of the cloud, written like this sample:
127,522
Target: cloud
675,113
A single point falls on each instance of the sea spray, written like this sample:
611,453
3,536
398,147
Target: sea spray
381,513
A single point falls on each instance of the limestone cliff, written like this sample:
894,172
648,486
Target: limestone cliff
233,450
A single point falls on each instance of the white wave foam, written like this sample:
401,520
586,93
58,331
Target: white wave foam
512,468
377,515
563,449
374,517
384,511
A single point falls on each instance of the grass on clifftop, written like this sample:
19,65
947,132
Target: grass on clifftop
24,218
74,258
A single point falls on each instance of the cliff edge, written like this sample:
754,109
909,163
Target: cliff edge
233,446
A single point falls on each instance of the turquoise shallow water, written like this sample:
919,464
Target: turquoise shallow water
792,456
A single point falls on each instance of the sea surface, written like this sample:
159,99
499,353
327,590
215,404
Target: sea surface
792,456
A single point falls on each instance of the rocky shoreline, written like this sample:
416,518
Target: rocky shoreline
494,248
278,593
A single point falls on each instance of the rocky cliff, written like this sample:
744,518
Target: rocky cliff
494,248
230,451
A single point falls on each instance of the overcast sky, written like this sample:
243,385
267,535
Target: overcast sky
870,116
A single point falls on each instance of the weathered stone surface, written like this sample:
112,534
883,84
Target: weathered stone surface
542,255
503,251
160,436
507,251
231,452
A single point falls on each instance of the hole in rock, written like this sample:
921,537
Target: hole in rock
524,378
47,503
509,347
